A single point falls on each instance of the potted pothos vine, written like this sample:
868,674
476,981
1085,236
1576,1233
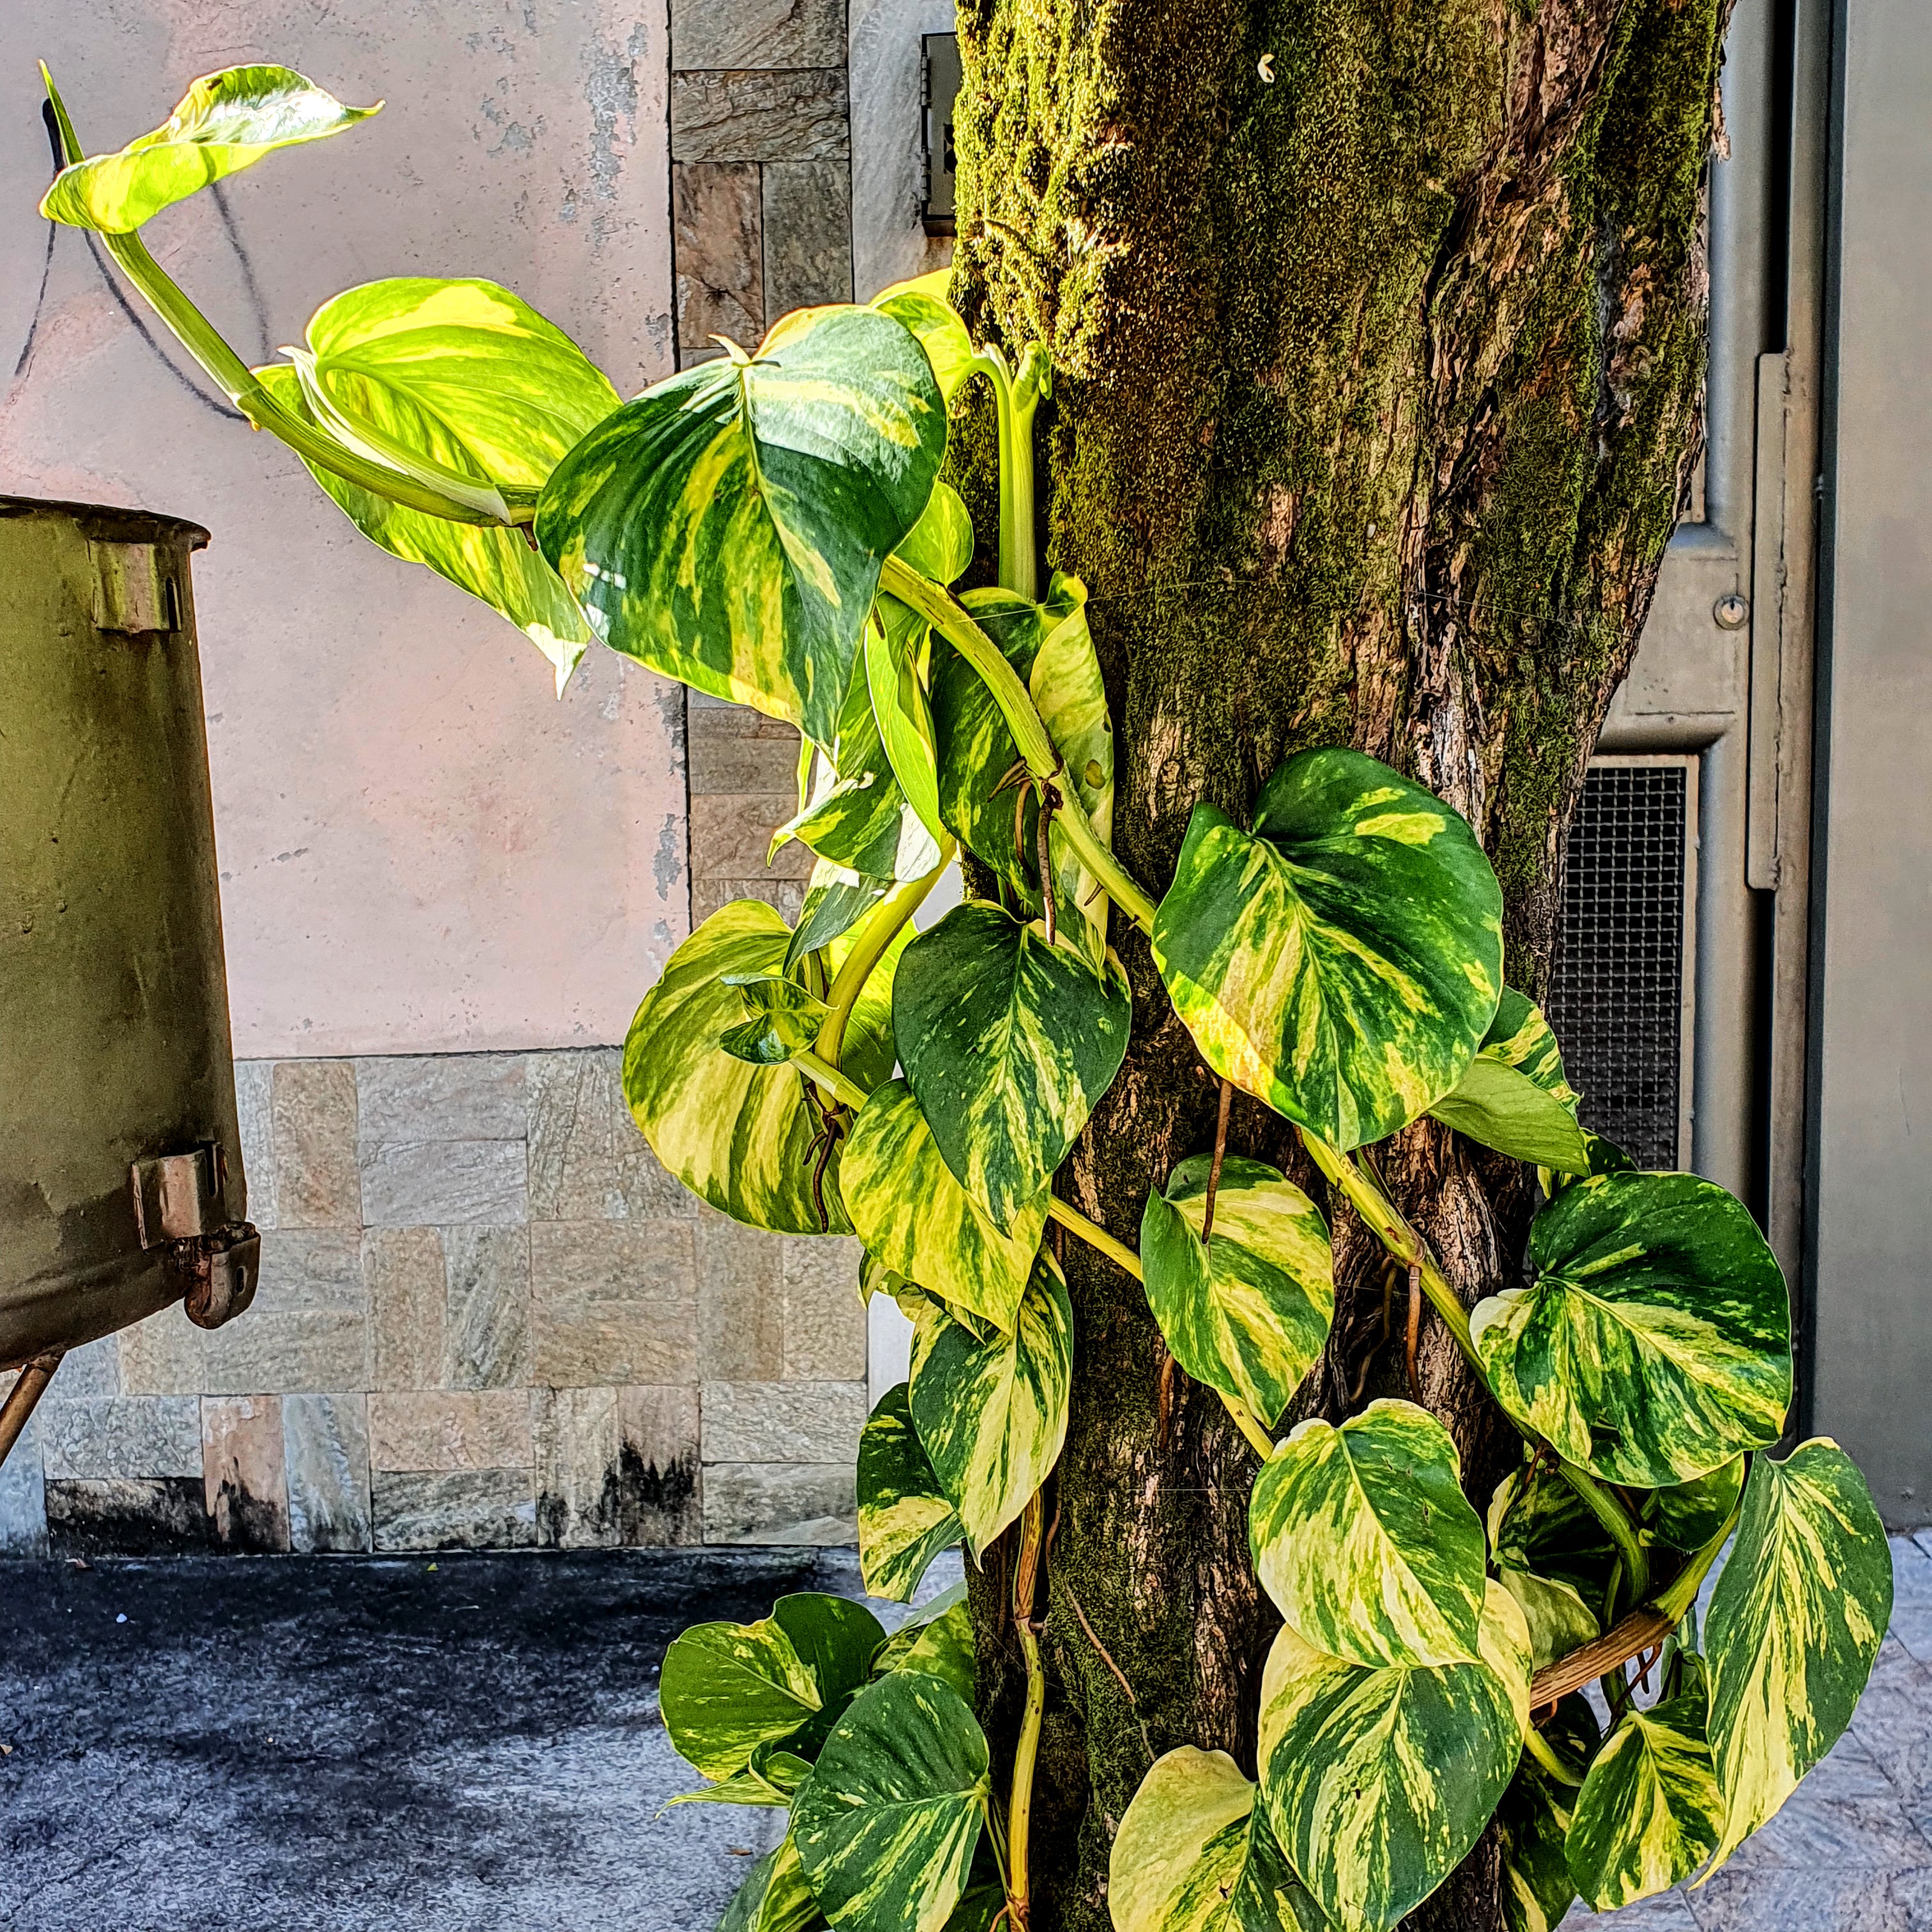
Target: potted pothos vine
771,526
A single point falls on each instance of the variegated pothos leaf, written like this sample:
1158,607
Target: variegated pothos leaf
727,527
913,1216
225,122
938,1639
1194,1853
887,1823
1379,1780
1533,1821
1655,1342
1514,1097
1794,1625
1008,1043
904,1519
738,1135
1649,1812
774,1897
1553,1556
921,305
1247,1311
1344,961
992,1414
1363,1538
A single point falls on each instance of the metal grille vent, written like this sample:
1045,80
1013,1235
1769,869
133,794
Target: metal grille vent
1620,997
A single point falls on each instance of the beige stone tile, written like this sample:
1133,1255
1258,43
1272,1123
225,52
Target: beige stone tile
447,1096
244,1474
313,1111
571,1139
327,1351
746,116
254,1086
441,1183
408,1305
783,1422
659,1497
487,1336
807,233
757,33
325,1447
779,1503
92,1369
824,1319
100,1437
164,1354
732,748
431,1429
740,1300
715,216
465,1509
731,832
310,1270
575,1432
614,1302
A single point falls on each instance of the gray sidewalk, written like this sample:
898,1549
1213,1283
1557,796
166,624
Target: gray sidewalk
471,1744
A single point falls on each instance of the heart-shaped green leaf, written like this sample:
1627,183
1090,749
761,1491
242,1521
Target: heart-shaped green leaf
1342,962
1513,1096
1794,1627
740,1136
1553,1557
495,565
1533,1821
1363,1537
1649,1812
914,1217
225,122
992,1414
936,1638
1377,1781
904,1519
1688,1515
836,899
728,1688
774,1897
897,644
1247,1311
727,527
1194,1854
1655,1342
857,815
770,1781
1048,645
921,306
940,545
784,1019
1008,1043
887,1823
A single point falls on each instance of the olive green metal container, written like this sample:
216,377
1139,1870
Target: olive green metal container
121,1181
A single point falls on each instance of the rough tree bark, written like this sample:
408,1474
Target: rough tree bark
1378,332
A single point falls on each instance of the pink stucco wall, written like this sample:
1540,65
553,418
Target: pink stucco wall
422,848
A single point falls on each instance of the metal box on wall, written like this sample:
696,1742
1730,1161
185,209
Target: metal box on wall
121,1182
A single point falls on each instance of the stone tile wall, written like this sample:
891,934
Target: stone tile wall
761,189
487,1317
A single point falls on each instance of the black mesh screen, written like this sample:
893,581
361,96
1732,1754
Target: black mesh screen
1616,998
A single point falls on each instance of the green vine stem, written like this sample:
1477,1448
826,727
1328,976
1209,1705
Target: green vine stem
947,616
880,930
240,385
1015,397
1408,1247
1026,1752
1545,1753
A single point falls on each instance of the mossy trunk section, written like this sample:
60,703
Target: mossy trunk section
1379,333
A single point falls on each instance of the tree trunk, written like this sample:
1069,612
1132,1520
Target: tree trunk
1378,328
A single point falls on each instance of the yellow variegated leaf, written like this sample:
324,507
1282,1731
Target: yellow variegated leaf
1794,1628
1533,1820
1194,1854
740,1135
225,122
1363,1537
921,305
1514,1097
887,1823
1247,1311
727,527
1344,961
774,1897
914,1217
1071,697
1553,1556
1008,1043
992,1414
1379,1780
904,1519
1655,1342
936,1638
1649,1812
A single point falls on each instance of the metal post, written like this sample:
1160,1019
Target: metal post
24,1397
